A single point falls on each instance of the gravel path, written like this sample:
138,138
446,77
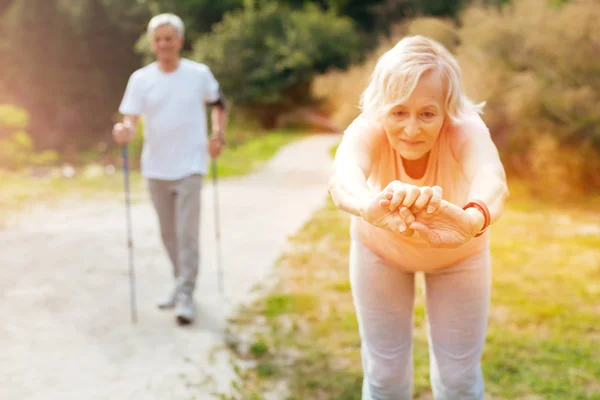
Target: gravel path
64,292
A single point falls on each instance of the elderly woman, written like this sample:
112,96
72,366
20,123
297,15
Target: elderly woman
423,181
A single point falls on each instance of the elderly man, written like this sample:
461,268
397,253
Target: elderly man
170,95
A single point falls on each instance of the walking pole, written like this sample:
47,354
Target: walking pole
129,234
217,226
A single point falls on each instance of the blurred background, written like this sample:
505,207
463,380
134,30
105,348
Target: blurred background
65,64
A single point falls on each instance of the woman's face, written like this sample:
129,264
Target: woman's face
413,126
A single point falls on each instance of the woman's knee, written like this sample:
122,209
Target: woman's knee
389,379
454,382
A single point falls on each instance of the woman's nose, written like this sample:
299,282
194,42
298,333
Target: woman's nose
411,128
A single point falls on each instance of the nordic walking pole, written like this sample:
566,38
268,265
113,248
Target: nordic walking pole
217,226
129,233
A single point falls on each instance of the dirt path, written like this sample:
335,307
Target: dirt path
64,292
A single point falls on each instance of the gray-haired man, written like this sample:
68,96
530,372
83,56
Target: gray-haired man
170,95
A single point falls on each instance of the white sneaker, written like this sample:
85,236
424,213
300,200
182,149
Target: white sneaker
168,301
185,310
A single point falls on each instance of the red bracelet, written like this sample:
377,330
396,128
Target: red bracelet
480,205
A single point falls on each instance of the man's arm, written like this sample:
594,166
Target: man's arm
131,123
125,131
219,117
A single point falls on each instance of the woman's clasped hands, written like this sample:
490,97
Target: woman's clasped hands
406,208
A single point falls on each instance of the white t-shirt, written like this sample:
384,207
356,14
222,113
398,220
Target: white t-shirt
172,106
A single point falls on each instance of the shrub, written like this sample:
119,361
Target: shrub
16,146
265,58
538,68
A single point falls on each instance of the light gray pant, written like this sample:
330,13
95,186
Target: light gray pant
177,204
457,302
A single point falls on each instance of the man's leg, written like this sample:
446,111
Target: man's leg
163,199
187,217
457,311
383,299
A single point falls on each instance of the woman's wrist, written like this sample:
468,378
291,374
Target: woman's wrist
479,214
477,220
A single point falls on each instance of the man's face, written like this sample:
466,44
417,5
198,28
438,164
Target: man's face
166,43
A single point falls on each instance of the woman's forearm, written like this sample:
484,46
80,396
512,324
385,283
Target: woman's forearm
489,186
349,191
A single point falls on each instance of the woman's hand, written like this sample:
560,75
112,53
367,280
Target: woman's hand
378,213
413,197
449,227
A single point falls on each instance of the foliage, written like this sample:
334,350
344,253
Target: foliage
16,146
67,62
538,68
265,58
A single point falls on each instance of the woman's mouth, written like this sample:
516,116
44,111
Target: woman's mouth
408,142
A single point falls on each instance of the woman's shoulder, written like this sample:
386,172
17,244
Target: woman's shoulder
364,128
468,128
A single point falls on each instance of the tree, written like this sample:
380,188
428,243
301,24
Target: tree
266,57
67,62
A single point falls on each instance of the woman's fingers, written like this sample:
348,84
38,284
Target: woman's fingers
400,224
384,203
412,194
436,200
424,196
406,215
398,196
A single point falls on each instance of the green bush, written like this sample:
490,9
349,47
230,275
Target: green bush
16,146
12,117
265,58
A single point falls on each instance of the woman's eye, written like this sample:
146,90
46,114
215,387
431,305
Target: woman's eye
399,113
428,114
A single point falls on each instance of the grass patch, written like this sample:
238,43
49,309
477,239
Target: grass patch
543,339
22,190
240,159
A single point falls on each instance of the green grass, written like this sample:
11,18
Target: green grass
543,339
253,152
21,191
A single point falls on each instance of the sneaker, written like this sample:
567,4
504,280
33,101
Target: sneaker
168,302
185,311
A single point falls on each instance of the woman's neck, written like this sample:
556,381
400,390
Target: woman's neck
416,169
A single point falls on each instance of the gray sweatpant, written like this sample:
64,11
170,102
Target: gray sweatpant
177,204
457,302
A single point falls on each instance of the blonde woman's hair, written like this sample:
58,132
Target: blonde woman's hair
398,71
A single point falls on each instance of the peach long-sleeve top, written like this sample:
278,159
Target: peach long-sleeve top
444,169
